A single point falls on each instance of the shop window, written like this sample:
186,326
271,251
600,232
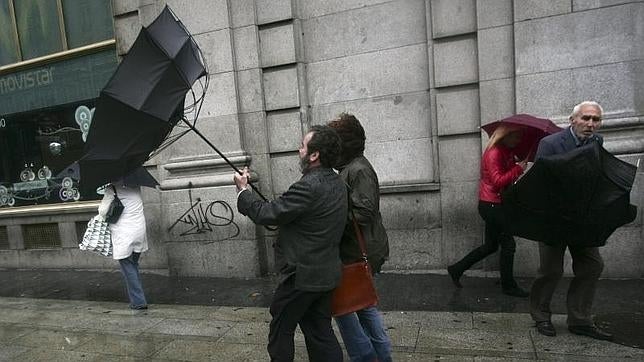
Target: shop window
86,22
35,28
39,27
41,236
39,153
8,35
46,105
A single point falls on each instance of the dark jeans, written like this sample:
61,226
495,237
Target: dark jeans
312,311
492,214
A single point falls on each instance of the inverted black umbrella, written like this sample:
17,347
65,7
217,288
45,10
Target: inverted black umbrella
579,198
143,101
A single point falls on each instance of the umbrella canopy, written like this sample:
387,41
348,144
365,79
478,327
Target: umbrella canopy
579,198
140,177
534,129
142,102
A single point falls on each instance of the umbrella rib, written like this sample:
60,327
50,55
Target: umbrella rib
168,142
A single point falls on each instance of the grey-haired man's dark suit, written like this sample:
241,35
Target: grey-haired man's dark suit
587,263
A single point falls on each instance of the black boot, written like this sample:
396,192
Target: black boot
509,285
456,270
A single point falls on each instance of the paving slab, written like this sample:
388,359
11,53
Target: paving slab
403,338
436,320
248,332
476,343
10,331
126,346
53,339
206,350
9,352
46,354
191,327
502,322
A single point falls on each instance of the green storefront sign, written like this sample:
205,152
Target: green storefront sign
63,82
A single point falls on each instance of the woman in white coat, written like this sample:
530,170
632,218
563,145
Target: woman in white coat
129,238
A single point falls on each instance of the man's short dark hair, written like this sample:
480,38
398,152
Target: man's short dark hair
326,141
351,134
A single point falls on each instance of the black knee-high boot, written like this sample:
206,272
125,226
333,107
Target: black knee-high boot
457,269
506,269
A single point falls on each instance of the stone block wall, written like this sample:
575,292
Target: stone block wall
371,59
455,96
422,76
580,50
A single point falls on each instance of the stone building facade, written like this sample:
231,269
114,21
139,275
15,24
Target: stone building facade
421,75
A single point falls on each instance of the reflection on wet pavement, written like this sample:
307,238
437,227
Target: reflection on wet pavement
618,303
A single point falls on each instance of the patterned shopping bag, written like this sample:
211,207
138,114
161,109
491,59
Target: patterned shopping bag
97,237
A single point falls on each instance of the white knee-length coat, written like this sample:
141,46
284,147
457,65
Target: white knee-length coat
128,233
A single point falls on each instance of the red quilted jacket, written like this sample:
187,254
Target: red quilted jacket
498,171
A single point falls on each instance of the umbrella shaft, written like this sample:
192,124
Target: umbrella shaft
222,156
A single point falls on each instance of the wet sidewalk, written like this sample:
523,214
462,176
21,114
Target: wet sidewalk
82,315
67,330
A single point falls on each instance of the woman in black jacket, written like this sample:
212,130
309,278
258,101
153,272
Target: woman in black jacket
363,331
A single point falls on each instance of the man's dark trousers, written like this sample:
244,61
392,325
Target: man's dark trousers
312,311
587,265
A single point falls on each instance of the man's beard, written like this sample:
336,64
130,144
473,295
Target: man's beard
304,164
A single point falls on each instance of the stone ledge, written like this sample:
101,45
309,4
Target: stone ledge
184,183
403,188
191,164
54,209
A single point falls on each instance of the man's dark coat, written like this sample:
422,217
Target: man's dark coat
311,216
562,142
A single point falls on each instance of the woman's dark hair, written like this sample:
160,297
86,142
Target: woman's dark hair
326,141
351,134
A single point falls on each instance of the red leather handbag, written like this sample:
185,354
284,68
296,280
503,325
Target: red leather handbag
356,290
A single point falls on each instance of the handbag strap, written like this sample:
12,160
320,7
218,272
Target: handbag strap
116,195
361,242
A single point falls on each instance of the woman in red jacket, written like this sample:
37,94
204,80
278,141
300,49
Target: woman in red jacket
498,171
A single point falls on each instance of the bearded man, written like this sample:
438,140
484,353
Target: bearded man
311,215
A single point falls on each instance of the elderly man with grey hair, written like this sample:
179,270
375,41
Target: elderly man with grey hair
587,263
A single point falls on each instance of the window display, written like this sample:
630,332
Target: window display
55,56
39,152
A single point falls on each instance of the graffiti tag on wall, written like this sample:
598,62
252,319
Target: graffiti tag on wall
204,217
